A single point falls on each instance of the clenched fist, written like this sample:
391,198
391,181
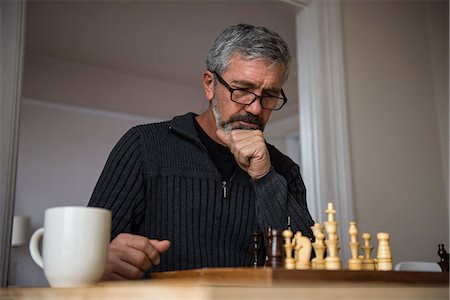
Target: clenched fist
249,150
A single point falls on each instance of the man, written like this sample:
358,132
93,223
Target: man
189,192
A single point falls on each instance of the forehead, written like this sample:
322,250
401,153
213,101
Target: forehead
255,69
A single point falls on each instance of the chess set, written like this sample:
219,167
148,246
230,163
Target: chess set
294,251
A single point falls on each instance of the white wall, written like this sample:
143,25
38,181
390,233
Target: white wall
400,164
91,86
62,150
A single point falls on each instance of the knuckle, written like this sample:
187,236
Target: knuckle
136,273
141,242
120,239
142,259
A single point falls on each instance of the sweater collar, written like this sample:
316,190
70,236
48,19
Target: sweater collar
184,125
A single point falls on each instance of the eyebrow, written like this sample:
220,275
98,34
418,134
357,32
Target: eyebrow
251,85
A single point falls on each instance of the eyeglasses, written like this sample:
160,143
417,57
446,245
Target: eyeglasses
245,97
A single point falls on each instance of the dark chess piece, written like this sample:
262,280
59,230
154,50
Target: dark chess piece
444,258
275,252
268,241
256,237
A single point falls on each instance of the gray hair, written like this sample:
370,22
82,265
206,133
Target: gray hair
251,42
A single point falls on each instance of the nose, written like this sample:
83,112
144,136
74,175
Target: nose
255,107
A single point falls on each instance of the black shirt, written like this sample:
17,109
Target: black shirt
220,155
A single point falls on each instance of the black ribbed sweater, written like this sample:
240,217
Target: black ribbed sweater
160,182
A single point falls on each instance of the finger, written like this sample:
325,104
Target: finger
157,247
127,270
161,246
131,249
223,136
246,147
115,276
243,157
245,138
117,264
137,258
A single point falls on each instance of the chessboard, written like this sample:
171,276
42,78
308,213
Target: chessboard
269,277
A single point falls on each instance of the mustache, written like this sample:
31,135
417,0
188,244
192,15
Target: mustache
247,118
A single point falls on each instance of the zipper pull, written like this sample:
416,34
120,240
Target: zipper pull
224,189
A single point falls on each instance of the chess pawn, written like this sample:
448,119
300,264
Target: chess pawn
318,262
289,262
302,252
384,257
368,263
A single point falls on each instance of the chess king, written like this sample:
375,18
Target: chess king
189,192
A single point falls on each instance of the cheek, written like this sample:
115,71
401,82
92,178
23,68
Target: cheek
265,115
228,107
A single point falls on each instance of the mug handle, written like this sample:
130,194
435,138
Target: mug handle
34,247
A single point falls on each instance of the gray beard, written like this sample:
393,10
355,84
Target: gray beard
227,126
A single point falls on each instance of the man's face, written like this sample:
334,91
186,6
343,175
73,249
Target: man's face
259,76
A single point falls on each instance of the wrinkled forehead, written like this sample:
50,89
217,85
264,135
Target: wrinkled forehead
270,63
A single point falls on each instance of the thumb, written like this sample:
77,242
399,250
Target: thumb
161,246
223,136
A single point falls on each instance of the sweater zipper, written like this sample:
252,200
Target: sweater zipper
224,189
225,185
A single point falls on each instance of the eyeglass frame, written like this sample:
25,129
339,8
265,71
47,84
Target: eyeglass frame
231,90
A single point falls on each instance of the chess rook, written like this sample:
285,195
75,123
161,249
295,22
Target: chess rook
275,250
384,257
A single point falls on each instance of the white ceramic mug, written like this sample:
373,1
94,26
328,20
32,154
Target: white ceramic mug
75,245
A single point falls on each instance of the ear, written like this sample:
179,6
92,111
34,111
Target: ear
208,85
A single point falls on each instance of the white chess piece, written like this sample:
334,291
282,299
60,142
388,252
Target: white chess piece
332,261
368,263
354,263
289,262
303,252
384,256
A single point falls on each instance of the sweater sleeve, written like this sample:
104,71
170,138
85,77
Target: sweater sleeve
121,186
279,197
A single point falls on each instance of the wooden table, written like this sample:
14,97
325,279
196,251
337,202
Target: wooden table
248,283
